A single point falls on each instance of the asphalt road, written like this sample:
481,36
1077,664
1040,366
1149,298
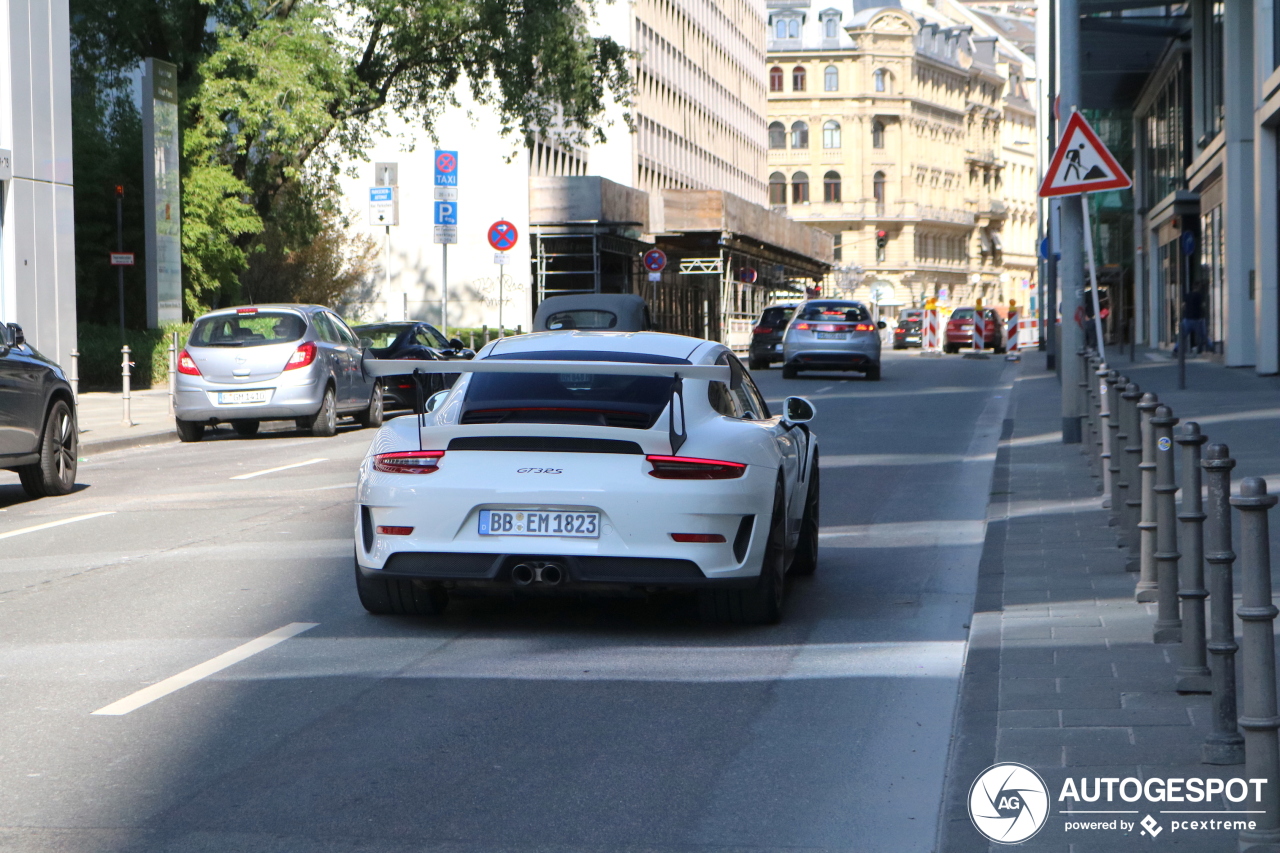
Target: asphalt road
504,725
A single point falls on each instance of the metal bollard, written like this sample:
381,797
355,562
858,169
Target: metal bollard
471,340
1147,580
484,330
502,331
1115,447
1104,433
173,371
1082,386
1168,627
75,374
1092,432
1259,720
1130,514
1193,669
125,364
1224,745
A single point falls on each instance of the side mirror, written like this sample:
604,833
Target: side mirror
881,324
16,336
798,410
366,343
457,344
436,400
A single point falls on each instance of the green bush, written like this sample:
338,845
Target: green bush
99,348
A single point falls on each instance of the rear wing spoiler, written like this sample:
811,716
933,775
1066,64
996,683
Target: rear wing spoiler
677,372
401,367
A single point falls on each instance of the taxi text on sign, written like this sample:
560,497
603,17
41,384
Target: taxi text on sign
1082,164
446,168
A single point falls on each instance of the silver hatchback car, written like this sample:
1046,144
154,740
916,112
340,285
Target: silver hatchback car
273,362
831,334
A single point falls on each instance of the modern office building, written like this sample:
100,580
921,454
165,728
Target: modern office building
37,236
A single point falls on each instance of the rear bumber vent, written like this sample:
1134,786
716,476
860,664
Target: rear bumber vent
548,444
743,539
366,529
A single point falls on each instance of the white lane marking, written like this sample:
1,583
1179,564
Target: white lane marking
908,534
327,488
860,460
281,468
49,524
173,683
825,388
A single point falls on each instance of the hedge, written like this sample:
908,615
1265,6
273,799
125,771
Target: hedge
99,348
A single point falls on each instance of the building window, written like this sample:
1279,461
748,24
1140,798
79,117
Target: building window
877,134
797,79
838,255
780,28
786,28
829,27
777,188
799,135
881,80
777,135
831,79
831,186
800,188
877,192
831,134
775,79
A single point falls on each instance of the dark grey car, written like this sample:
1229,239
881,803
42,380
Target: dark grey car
38,433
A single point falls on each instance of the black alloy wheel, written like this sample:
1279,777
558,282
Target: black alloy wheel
399,596
55,473
371,415
805,562
325,422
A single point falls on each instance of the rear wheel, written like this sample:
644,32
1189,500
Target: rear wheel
806,558
758,363
371,416
873,373
325,422
55,473
761,604
246,427
399,596
789,372
189,430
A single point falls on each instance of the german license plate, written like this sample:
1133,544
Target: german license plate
536,522
832,336
233,398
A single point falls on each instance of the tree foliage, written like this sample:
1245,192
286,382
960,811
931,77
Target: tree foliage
277,94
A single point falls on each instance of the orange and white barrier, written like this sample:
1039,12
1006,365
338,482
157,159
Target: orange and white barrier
929,338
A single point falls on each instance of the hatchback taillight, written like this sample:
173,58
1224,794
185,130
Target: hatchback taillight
692,468
762,330
303,356
187,365
864,327
408,462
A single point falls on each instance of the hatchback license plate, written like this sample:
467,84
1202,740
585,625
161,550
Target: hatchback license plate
237,397
536,522
832,336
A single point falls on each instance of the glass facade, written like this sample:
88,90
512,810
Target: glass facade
1212,276
1167,135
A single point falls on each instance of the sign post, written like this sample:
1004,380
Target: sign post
502,236
384,210
1081,165
446,223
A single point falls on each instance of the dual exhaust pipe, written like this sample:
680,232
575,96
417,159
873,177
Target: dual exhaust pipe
550,574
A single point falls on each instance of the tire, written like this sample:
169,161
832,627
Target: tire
760,604
371,415
805,561
245,428
789,372
55,473
324,423
873,373
950,349
399,597
758,363
189,430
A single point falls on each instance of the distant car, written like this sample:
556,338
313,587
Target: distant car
960,330
909,331
832,334
766,336
39,439
593,312
273,362
410,340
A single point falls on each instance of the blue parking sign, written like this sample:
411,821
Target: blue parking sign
446,213
446,168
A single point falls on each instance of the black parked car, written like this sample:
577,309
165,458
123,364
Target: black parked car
39,438
593,312
909,331
411,340
766,337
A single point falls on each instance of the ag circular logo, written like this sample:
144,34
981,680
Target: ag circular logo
1164,443
1008,803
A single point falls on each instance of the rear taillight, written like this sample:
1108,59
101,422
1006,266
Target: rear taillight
692,468
394,531
187,365
408,462
697,537
246,310
762,330
804,327
303,356
864,327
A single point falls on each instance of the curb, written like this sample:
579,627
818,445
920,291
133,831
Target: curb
106,445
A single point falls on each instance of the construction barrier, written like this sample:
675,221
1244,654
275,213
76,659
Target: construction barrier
929,337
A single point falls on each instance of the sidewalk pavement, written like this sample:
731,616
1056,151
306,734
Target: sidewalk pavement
1062,674
102,426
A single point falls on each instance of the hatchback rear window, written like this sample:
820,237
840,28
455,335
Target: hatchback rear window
589,320
851,312
775,316
247,330
962,314
569,398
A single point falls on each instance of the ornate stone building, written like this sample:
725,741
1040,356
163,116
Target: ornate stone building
908,134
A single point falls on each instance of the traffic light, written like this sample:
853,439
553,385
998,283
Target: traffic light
119,190
882,239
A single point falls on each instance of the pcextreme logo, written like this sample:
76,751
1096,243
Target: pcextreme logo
1008,803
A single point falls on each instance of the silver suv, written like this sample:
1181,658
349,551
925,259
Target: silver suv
273,362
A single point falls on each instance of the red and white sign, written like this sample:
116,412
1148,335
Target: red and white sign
1082,164
503,235
122,259
655,260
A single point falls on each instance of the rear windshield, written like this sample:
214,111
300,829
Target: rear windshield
247,330
962,314
590,320
775,316
852,312
911,315
569,398
382,336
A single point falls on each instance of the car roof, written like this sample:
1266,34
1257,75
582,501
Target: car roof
647,343
629,308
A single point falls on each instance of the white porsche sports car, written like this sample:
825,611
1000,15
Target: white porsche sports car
589,462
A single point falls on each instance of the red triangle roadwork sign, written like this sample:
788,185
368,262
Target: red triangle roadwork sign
1082,164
